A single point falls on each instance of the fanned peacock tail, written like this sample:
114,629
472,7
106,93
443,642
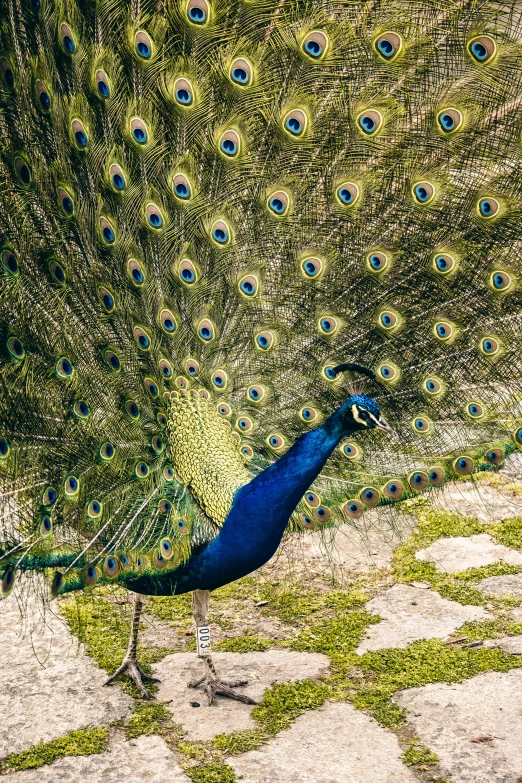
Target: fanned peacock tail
206,206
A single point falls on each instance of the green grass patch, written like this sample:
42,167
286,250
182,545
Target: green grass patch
239,741
148,718
244,644
418,755
211,773
83,742
509,532
479,630
284,701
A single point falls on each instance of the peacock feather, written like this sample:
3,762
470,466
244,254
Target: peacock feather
206,207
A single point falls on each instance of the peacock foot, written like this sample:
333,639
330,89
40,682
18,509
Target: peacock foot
213,685
131,667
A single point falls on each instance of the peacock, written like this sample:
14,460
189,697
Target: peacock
237,238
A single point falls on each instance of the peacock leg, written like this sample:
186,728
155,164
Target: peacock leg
212,684
130,663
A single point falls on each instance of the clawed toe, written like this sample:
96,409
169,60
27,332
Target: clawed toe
132,668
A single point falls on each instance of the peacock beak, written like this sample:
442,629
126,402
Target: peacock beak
382,424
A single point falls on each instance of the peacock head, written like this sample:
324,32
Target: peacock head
360,412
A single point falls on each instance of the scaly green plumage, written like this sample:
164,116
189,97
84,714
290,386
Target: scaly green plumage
228,206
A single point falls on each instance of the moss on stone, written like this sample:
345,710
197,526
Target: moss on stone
82,742
418,755
243,644
148,718
284,701
211,773
509,532
479,630
240,741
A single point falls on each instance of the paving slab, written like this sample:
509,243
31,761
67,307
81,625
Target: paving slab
510,644
510,584
48,686
261,669
460,553
448,717
410,613
143,759
477,500
335,744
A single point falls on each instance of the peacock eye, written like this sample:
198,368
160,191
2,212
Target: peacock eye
308,414
370,496
500,281
315,44
107,231
249,285
71,486
141,470
264,340
350,450
136,272
444,263
9,262
187,272
80,137
102,84
488,207
181,186
67,39
312,267
449,120
490,346
388,319
482,49
44,99
182,527
112,360
388,45
393,490
16,349
143,45
167,321
494,456
255,393
306,522
158,444
353,509
348,193
90,576
107,452
139,131
81,409
295,122
111,566
23,171
328,325
369,122
117,177
4,448
64,368
57,273
388,372
224,409
206,330
152,387
7,73
132,409
106,298
475,410
444,330
244,424
423,192
276,441
432,385
65,201
166,548
183,92
230,144
166,371
463,466
197,11
46,525
377,261
278,203
142,338
164,506
418,480
95,509
168,473
241,72
49,497
181,382
436,476
220,232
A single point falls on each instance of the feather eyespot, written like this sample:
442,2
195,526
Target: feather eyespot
353,509
102,84
7,73
166,548
187,272
181,382
500,281
278,203
168,473
132,410
436,476
328,325
95,509
517,436
275,441
183,92
142,338
247,451
463,466
166,370
312,500
181,187
158,444
152,387
230,144
308,414
220,379
255,393
444,263
244,424
475,410
80,137
161,419
205,330
139,131
57,273
90,575
329,373
57,584
422,424
66,202
15,348
306,522
182,527
143,45
449,120
418,480
46,525
67,39
444,330
351,450
49,496
64,368
249,285
107,451
295,122
388,45
322,514
23,171
388,320
9,261
432,386
348,194
192,367
482,49
8,581
220,232
204,394
167,321
241,72
488,207
43,97
71,486
141,470
4,448
81,409
489,346
369,122
111,566
388,372
494,456
370,496
164,506
264,340
107,231
394,490
423,192
106,298
312,267
198,11
117,177
136,272
224,409
112,360
377,260
315,44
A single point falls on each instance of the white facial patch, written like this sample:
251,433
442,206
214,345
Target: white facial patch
357,418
